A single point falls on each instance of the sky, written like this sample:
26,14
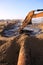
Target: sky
18,9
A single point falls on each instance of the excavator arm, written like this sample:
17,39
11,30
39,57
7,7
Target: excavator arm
27,20
29,17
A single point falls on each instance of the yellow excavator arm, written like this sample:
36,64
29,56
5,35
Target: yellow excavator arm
29,17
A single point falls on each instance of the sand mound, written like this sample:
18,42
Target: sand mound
22,50
8,53
31,51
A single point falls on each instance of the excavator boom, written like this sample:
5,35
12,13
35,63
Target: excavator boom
29,17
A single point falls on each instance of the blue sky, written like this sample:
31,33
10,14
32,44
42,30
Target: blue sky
18,9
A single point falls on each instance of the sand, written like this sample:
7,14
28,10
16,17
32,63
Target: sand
21,50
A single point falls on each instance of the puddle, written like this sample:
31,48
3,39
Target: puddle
14,28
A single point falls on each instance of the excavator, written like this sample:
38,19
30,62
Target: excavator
29,17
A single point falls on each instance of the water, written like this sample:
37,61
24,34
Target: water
14,29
